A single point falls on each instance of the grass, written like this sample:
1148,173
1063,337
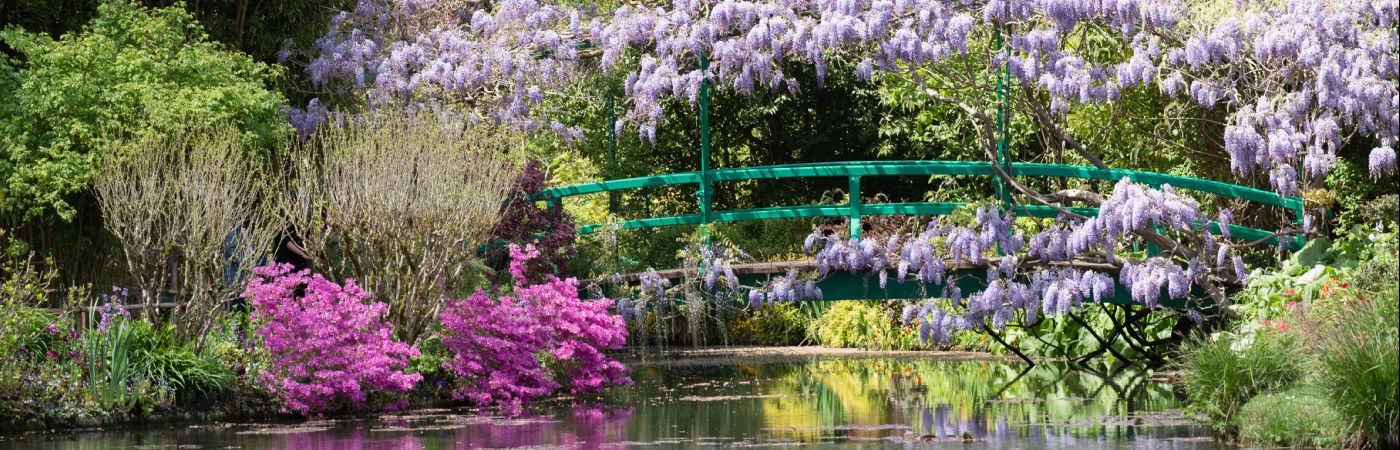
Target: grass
1224,372
1298,417
1360,368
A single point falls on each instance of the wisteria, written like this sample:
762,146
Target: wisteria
498,61
1314,70
1297,77
1051,273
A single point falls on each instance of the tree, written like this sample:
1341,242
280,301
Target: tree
130,72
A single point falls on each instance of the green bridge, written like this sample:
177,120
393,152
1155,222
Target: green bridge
846,286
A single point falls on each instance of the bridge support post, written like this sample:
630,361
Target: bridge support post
613,196
704,191
854,209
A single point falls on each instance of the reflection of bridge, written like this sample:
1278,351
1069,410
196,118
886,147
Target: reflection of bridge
842,285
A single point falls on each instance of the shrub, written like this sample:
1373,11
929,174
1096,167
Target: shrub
863,324
397,200
159,354
328,346
192,216
779,324
1360,366
1297,417
1222,372
551,230
500,345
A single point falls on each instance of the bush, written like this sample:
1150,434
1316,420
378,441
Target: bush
162,356
328,348
1360,366
779,324
1297,417
192,212
525,344
862,324
398,200
1222,372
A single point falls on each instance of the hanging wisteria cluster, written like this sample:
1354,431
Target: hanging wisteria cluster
1052,272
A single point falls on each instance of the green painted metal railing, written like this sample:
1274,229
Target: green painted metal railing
855,209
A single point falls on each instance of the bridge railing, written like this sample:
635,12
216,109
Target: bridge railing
855,209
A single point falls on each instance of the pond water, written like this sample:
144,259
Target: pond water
763,399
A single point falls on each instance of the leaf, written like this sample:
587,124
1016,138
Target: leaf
1311,253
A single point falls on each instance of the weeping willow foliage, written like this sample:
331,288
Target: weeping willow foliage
400,201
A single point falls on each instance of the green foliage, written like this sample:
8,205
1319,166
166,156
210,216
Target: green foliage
863,324
1360,365
160,355
109,371
1297,417
1223,372
130,72
775,324
1063,337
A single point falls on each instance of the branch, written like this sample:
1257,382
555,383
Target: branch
1046,122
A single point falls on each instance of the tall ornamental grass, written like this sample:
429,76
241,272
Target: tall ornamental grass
1360,367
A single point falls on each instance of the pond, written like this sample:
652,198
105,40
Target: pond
759,398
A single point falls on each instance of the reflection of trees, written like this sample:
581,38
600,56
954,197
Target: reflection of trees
951,397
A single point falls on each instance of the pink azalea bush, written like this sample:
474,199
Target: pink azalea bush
329,346
500,345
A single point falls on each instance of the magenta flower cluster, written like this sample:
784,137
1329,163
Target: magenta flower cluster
328,344
531,341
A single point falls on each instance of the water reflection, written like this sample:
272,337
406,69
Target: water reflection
822,401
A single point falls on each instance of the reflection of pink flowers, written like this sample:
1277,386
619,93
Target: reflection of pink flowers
325,346
497,342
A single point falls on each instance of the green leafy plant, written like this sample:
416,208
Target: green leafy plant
863,324
109,369
131,71
162,357
779,324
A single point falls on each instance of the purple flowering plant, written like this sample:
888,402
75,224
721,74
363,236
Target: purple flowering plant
531,340
328,344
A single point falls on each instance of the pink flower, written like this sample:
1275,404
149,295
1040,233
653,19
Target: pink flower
497,342
328,347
